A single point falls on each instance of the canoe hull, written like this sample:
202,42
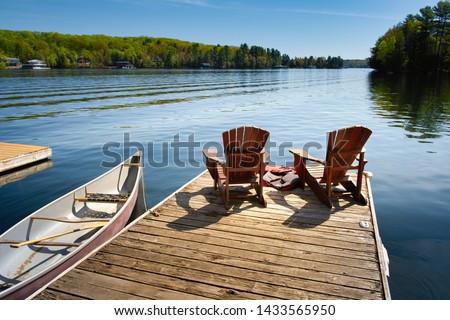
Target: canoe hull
36,282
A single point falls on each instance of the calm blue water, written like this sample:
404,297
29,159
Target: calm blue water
90,116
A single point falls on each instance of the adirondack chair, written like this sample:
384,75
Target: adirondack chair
344,148
244,162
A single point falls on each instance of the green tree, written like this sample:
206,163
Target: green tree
420,43
321,63
285,60
442,29
241,57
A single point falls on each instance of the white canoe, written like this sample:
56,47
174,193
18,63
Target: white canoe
43,245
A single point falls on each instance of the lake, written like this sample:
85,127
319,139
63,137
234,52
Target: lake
91,117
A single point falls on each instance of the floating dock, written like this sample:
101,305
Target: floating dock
190,247
13,156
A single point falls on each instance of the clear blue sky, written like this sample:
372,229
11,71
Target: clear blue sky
299,28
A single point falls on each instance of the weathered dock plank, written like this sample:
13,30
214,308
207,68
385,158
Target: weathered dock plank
13,155
296,248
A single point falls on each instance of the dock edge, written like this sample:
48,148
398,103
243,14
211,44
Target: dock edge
382,253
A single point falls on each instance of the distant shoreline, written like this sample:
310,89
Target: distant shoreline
101,51
184,68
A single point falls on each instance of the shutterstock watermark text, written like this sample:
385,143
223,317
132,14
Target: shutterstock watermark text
184,150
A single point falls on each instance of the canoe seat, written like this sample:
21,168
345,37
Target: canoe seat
132,164
104,197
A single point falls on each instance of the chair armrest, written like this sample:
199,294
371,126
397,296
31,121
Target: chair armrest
211,155
303,154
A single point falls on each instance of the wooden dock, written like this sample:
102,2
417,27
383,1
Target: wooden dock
14,156
296,248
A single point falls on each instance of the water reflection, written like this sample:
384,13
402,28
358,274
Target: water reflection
420,104
67,110
16,175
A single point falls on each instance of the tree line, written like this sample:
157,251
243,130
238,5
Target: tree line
68,51
421,43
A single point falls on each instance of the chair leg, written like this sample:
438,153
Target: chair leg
221,188
212,168
262,200
306,178
357,194
317,189
329,173
227,191
355,191
300,168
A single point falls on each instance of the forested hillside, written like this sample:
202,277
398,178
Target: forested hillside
421,43
68,51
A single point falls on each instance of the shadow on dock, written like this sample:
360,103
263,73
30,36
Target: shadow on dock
193,248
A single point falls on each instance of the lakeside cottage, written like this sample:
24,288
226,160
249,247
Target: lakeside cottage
83,62
13,63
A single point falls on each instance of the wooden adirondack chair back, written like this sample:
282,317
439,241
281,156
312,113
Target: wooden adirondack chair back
343,147
242,147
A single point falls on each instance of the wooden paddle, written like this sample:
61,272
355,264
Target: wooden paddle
66,220
45,243
24,243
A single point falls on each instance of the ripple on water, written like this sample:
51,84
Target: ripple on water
78,112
